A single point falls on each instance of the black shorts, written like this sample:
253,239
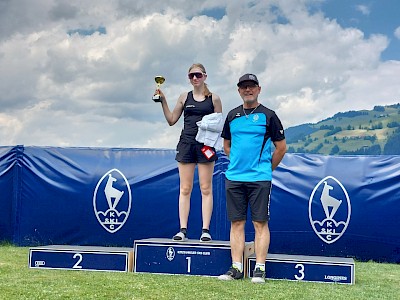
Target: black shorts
191,153
240,194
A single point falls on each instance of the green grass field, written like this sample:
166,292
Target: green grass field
17,281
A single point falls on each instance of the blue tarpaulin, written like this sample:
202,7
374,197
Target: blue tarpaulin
346,206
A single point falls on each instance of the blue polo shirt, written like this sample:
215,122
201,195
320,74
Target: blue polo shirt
251,136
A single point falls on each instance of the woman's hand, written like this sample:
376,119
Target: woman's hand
159,92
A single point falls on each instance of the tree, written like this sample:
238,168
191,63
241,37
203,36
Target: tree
335,149
379,108
373,150
392,146
392,124
291,149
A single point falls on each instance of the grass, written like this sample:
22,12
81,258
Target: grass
17,281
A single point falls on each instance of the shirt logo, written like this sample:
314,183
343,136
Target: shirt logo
329,209
112,200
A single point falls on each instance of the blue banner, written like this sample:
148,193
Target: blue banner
346,206
9,187
337,206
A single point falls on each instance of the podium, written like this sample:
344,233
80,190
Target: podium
191,257
89,258
306,268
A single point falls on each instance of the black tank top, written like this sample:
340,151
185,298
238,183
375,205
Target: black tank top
194,111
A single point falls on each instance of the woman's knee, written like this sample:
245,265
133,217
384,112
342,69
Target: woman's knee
186,189
206,188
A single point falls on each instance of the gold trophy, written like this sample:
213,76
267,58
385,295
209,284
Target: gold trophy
159,80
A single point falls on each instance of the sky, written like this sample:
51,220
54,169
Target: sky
81,73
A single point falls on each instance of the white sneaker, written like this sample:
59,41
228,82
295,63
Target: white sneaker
258,276
232,274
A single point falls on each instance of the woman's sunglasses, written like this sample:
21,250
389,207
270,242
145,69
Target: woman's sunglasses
197,74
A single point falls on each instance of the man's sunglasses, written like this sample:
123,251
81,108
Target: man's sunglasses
197,74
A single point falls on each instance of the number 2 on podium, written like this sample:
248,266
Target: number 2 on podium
79,256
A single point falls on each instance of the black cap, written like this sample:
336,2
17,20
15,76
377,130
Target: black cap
248,77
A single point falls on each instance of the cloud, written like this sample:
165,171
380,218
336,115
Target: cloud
397,33
65,82
364,9
63,11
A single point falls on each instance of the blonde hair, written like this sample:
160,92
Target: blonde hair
201,67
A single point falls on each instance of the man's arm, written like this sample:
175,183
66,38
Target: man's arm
279,153
227,147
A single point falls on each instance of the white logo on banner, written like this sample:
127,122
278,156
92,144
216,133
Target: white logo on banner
170,253
112,200
329,209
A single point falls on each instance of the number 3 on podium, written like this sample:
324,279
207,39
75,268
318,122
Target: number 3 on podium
301,272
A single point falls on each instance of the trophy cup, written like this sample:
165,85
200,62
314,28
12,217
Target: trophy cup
159,80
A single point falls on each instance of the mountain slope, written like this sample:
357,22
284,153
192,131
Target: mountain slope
370,132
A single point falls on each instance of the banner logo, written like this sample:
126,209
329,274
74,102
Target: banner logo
170,254
329,209
112,200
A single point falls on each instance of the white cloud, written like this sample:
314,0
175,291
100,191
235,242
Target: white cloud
364,9
397,33
95,90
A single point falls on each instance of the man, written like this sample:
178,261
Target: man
248,132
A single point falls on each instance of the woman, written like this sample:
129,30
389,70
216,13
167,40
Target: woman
194,104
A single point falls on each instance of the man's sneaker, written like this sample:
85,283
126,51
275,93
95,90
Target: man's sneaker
180,237
205,237
258,276
232,274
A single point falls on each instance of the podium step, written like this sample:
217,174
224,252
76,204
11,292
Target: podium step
88,258
192,257
306,268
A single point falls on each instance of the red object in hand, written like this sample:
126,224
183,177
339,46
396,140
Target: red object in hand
208,152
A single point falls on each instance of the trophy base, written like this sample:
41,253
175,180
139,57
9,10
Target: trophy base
157,98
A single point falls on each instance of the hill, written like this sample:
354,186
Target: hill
364,132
